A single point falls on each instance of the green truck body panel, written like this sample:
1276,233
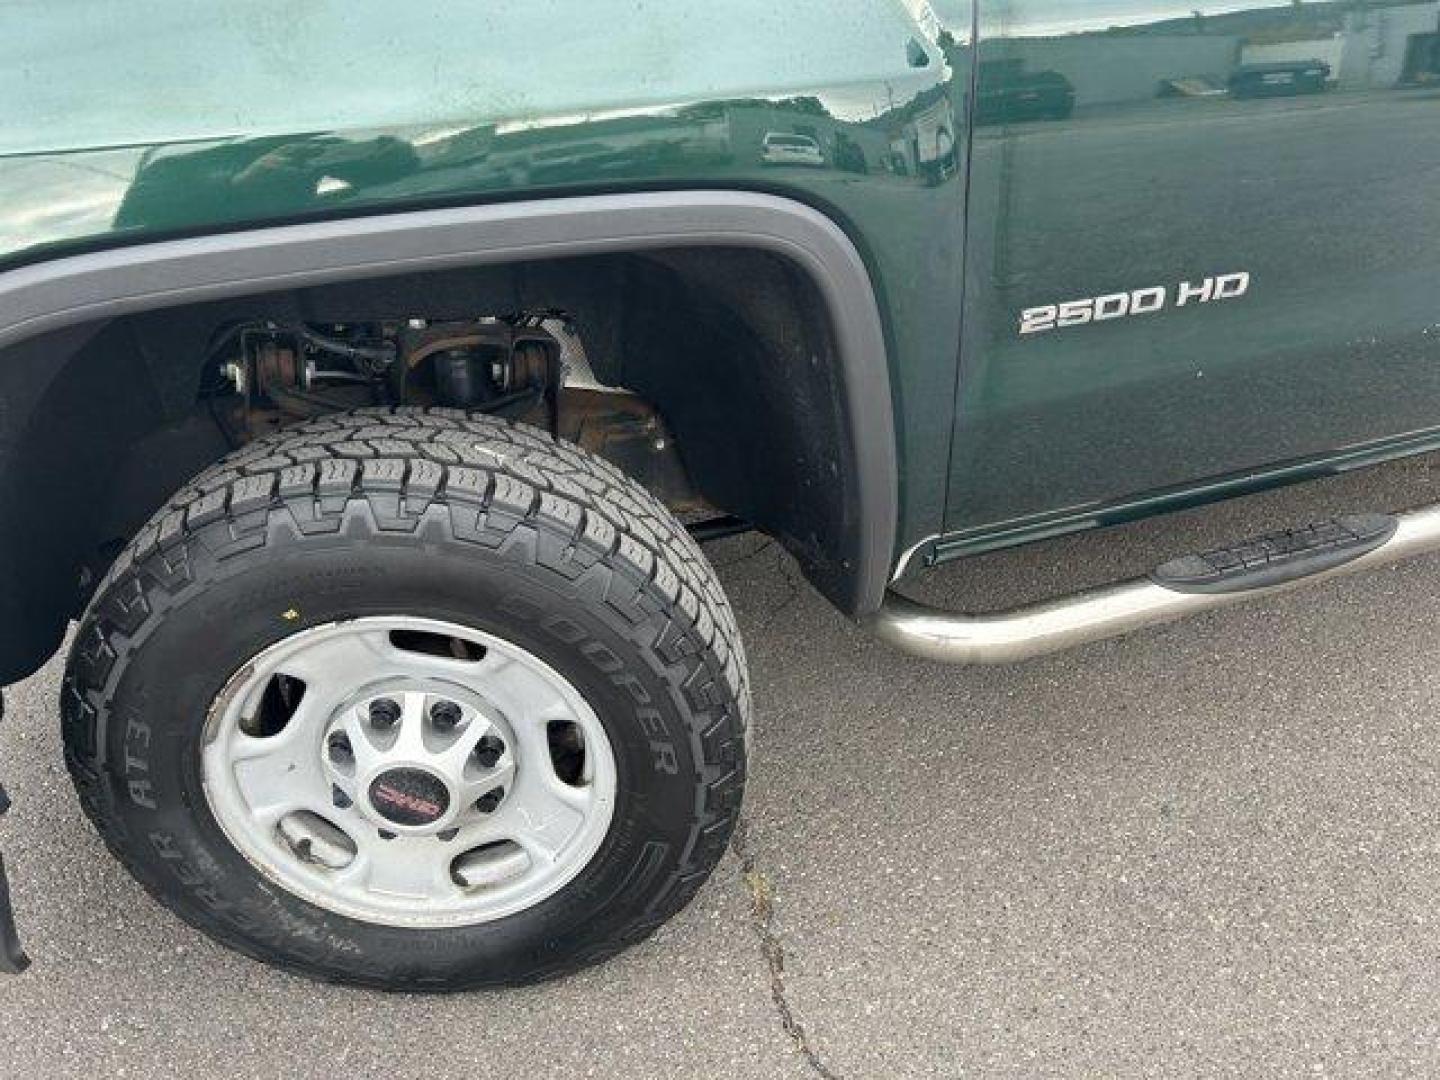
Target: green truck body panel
1166,175
1096,159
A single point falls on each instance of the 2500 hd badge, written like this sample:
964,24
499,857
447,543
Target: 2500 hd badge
1038,320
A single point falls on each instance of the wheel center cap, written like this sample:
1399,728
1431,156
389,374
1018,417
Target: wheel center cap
410,797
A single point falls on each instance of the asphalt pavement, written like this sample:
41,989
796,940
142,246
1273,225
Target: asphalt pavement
1209,849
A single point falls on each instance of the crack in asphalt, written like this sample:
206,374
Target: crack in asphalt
787,570
739,560
762,921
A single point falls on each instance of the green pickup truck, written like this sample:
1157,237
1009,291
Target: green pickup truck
372,376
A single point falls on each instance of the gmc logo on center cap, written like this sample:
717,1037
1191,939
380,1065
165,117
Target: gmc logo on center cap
405,801
409,796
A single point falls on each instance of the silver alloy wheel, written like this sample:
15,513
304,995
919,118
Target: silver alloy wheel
409,772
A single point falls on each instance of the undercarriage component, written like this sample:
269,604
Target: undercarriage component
476,364
12,957
268,376
13,960
627,431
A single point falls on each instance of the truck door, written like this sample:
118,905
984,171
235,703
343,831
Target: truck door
1202,251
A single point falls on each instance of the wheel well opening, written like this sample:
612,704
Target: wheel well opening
714,368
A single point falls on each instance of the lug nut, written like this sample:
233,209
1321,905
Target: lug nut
487,803
341,752
384,713
488,751
446,715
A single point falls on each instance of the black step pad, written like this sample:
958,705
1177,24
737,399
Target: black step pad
1278,557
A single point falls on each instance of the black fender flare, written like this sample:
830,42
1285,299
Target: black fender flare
51,295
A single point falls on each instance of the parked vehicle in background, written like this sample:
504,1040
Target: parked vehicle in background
1009,93
366,398
785,148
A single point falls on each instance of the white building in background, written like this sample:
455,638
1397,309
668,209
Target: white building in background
1386,46
1379,48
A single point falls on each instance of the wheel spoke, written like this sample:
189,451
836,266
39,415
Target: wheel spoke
409,867
409,738
340,660
520,692
457,754
500,776
541,815
273,785
367,754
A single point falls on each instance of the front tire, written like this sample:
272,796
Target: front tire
203,728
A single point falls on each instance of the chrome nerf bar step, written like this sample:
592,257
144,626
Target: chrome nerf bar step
1260,567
